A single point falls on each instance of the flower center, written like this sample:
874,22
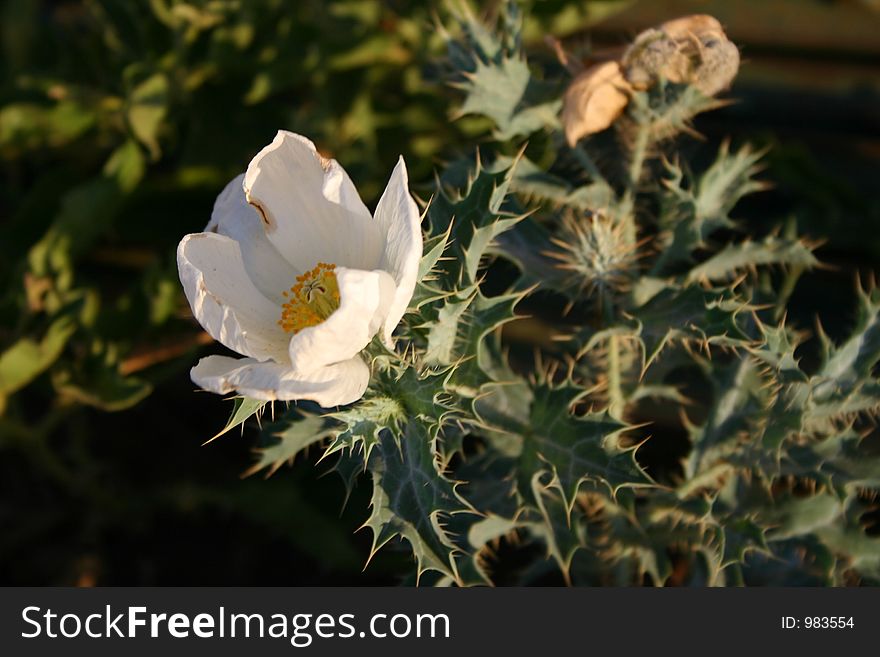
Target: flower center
312,300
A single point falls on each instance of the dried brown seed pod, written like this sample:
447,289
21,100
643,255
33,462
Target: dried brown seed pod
718,67
594,100
679,29
688,50
653,55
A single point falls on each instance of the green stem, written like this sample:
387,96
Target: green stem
615,390
587,162
637,159
628,201
786,291
616,400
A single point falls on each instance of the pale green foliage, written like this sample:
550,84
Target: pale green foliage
24,360
294,437
465,452
243,408
496,79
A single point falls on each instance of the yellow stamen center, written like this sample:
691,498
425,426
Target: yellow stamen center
312,300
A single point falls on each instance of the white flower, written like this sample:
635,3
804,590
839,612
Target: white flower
294,273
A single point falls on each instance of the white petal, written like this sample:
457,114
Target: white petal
233,217
342,383
310,208
399,218
225,301
364,299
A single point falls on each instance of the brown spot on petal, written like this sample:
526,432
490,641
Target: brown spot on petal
265,216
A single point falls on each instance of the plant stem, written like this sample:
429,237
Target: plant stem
615,387
637,159
628,201
786,291
615,391
587,162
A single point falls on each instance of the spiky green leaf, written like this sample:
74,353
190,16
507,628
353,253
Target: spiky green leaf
411,500
293,437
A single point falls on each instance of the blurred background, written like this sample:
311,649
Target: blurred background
120,122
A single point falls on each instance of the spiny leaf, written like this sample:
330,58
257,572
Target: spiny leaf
776,349
647,535
843,387
576,448
488,483
668,109
857,548
535,183
726,181
426,291
563,535
731,416
473,218
411,498
736,258
705,317
443,331
505,92
362,424
740,537
480,41
243,408
851,363
490,68
483,316
292,439
350,465
423,395
489,529
839,462
692,212
797,516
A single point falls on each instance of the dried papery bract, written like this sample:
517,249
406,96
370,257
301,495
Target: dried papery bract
594,100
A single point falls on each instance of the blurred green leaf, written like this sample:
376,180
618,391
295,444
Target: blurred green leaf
27,358
86,212
734,259
147,108
100,385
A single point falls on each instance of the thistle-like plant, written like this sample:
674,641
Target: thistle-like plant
675,326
